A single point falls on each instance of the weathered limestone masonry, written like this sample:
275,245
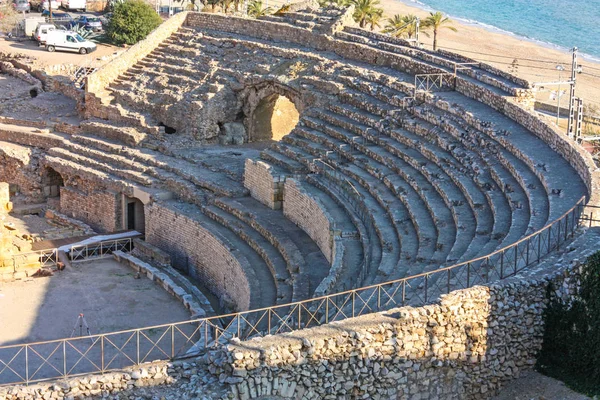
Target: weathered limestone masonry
464,346
198,252
19,166
307,212
100,79
88,201
264,184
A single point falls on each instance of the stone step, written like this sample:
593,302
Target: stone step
79,159
384,219
263,288
127,135
271,256
303,256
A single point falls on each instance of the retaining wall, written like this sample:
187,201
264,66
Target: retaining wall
196,250
466,345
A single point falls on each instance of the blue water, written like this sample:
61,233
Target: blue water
565,23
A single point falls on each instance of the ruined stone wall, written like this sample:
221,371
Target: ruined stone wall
283,32
95,205
197,251
20,168
466,345
264,183
306,211
97,81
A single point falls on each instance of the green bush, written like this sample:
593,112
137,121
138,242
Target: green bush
571,347
131,22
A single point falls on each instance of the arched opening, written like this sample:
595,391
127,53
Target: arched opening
274,117
135,219
52,181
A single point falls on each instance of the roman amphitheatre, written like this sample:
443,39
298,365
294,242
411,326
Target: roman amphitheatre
343,214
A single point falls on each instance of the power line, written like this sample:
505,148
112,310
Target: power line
547,60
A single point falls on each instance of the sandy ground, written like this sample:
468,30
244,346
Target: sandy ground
535,386
470,39
104,290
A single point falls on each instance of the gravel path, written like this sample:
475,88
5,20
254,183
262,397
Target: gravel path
535,386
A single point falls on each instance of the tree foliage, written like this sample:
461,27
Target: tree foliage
571,347
436,21
402,25
257,9
9,18
132,21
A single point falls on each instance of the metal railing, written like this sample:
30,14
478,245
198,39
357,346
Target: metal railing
100,249
34,362
41,258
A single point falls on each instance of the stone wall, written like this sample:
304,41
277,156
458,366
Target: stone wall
466,345
91,203
309,214
97,81
198,252
264,183
19,166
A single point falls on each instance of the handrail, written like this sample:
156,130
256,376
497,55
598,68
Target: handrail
115,350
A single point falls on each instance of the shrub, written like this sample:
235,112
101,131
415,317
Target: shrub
571,347
9,18
131,22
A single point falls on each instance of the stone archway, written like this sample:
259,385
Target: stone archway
271,111
274,117
52,181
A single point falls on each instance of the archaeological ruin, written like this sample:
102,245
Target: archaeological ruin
345,215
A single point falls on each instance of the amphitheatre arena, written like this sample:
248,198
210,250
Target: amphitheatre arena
344,215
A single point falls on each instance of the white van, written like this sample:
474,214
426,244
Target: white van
42,31
68,41
73,4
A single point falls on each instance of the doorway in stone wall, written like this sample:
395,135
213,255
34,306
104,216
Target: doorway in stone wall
135,219
274,117
52,182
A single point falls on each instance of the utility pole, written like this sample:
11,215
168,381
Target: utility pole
574,70
560,69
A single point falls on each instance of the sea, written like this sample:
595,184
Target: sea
557,23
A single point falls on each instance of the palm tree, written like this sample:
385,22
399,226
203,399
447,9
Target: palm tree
256,9
374,18
399,25
364,9
436,21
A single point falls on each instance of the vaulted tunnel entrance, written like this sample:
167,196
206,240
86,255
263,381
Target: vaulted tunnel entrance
274,117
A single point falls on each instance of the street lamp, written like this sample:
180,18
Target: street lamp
560,68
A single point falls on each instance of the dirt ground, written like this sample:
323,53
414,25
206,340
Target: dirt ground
532,385
103,290
31,48
16,102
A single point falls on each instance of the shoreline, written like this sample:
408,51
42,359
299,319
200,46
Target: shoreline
494,29
535,61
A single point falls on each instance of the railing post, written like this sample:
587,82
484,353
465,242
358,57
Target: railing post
138,347
270,310
102,353
539,247
27,364
468,274
299,316
448,283
64,348
172,341
379,298
516,258
527,250
353,299
426,283
404,292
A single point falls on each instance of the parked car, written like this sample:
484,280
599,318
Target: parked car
22,5
41,32
74,4
68,41
45,5
105,19
89,23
